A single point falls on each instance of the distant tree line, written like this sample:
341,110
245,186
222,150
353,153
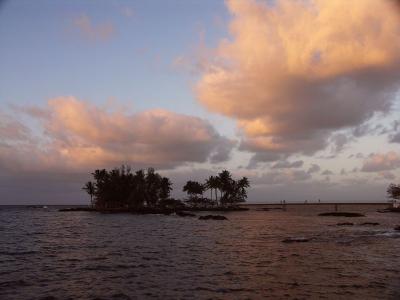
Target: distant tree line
393,191
121,188
224,191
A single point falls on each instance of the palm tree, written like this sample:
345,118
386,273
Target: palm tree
242,184
393,192
153,180
193,188
90,189
165,188
209,186
213,183
226,185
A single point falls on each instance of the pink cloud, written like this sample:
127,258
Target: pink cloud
377,162
79,135
11,129
295,72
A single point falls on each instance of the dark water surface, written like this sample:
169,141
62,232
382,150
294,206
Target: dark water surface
46,254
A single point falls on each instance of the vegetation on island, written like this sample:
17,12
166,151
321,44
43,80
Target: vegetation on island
393,191
224,191
121,189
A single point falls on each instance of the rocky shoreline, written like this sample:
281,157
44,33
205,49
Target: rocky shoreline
341,214
164,211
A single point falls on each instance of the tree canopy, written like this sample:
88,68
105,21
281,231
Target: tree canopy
231,192
121,188
393,191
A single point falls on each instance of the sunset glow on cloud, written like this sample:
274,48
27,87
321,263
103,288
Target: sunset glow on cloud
300,96
78,135
293,72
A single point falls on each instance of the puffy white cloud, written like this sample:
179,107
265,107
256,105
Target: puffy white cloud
78,135
294,72
377,162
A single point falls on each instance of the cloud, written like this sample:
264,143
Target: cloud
394,132
91,31
377,162
338,142
281,177
395,138
286,164
327,173
295,72
387,175
358,155
79,135
11,129
314,169
326,191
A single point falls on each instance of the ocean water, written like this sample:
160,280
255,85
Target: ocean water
46,254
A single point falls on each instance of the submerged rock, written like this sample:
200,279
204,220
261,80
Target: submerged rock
388,210
369,224
229,208
77,209
397,228
211,217
341,214
345,224
296,240
184,214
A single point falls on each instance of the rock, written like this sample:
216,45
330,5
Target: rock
211,217
369,223
341,214
230,208
184,214
345,224
397,228
296,240
77,209
388,210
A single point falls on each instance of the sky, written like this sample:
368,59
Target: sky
300,96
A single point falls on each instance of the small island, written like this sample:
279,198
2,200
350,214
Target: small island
147,192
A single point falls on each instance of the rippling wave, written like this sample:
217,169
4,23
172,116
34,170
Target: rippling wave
46,254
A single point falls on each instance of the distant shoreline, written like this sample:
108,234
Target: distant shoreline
246,204
316,203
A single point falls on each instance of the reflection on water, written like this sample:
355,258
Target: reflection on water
46,254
